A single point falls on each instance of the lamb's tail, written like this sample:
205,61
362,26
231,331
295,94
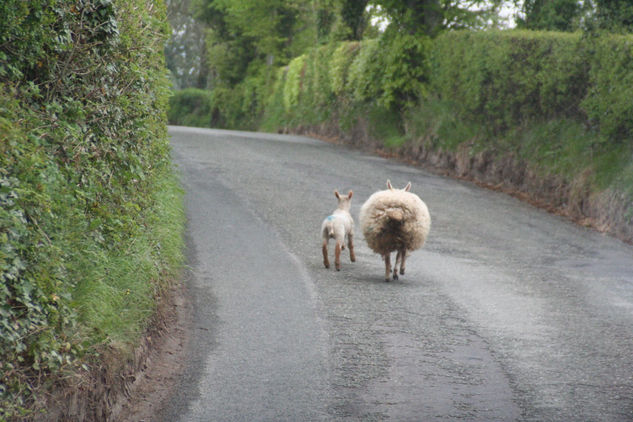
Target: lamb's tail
330,232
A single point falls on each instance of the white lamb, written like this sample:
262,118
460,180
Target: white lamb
394,220
338,226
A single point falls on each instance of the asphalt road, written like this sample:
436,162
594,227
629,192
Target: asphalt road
507,314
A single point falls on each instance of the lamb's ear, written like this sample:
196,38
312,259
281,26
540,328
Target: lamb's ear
389,184
349,195
337,194
407,187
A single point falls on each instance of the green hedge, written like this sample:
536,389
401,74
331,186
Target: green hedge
83,146
509,78
512,78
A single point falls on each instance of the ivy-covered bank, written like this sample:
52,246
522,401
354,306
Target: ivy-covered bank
90,210
544,114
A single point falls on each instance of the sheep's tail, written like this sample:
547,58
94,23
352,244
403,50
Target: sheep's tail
394,214
330,232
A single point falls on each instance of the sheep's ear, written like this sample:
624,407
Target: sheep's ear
389,184
349,195
338,196
407,187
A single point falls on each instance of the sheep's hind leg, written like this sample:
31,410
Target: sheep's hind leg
387,258
326,261
403,252
337,256
398,263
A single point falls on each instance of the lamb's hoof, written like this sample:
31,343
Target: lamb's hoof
353,259
401,271
338,269
387,280
395,276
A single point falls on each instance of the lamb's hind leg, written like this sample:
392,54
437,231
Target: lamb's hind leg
326,261
387,258
337,255
350,242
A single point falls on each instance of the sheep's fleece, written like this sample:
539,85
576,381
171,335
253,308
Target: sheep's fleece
393,220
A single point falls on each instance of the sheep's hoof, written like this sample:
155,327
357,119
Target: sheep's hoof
395,276
387,280
401,271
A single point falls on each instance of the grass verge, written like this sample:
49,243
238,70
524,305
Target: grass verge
115,296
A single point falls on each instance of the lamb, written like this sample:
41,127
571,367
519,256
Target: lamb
394,220
339,225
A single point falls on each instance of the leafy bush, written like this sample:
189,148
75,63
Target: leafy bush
318,77
192,107
365,73
340,62
390,71
406,72
274,111
294,82
83,94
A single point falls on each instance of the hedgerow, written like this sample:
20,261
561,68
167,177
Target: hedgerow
83,144
507,78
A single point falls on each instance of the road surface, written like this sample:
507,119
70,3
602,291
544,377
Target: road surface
507,314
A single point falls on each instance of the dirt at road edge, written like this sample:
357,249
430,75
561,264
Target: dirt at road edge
165,359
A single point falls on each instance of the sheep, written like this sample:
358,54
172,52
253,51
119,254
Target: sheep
339,225
394,220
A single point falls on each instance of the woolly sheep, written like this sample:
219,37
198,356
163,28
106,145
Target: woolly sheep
338,226
394,220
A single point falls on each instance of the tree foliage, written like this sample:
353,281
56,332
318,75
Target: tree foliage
614,15
242,35
552,15
431,17
185,51
573,15
354,17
